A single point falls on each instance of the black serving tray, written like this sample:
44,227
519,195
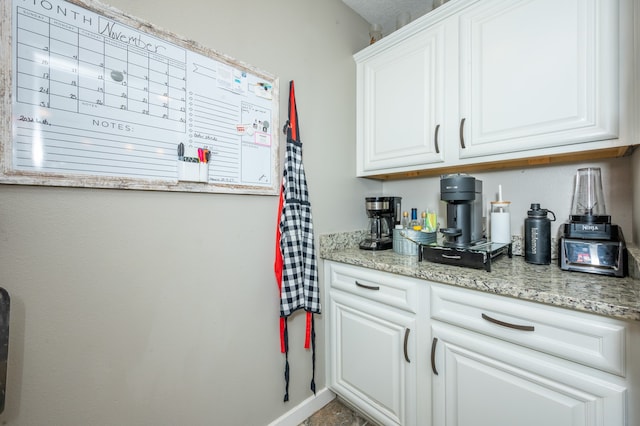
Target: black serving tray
478,256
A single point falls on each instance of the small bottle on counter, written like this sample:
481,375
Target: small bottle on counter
425,221
432,219
414,224
500,220
405,220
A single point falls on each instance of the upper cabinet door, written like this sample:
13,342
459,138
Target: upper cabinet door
537,74
400,104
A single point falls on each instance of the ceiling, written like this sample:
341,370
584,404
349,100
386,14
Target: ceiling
385,12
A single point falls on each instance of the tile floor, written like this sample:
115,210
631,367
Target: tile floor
336,413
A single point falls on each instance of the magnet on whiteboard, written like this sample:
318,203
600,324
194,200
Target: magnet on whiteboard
117,76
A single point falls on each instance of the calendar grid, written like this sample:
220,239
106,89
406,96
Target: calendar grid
67,68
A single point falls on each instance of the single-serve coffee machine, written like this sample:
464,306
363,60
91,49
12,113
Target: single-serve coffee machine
384,214
463,194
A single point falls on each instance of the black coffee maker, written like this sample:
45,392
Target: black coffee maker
463,194
384,214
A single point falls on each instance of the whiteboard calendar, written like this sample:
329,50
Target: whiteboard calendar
101,99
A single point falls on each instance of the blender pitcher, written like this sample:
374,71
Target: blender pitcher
588,200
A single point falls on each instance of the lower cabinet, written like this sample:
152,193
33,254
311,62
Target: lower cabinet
407,351
481,381
498,361
373,350
373,336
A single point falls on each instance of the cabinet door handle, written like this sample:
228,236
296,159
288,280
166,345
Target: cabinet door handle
507,324
368,287
406,341
435,139
462,133
434,342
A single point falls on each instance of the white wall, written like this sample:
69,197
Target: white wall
551,186
155,308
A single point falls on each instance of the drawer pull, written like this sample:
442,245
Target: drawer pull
406,340
462,133
433,355
435,139
506,324
368,287
448,256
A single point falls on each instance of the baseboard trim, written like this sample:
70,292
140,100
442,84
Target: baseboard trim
305,409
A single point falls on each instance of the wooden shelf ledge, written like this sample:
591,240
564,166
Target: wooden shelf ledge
545,160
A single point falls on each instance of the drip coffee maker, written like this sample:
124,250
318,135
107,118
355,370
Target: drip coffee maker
590,242
384,214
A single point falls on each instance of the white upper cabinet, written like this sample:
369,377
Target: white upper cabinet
401,104
497,80
538,74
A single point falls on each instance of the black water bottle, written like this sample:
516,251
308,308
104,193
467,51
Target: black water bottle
537,235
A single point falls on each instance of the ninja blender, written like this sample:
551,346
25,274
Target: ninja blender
590,242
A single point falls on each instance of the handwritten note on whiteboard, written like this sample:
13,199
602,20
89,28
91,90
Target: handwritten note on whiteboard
99,102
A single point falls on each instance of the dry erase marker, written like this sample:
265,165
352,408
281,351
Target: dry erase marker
181,151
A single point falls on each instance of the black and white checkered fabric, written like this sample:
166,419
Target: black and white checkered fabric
299,288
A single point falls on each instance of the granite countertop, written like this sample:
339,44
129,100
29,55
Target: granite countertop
598,294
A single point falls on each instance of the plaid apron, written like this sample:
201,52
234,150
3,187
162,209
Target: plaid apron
296,266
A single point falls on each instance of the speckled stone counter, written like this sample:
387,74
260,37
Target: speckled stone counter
609,296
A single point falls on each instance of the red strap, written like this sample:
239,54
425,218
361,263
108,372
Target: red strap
283,347
293,112
307,335
278,265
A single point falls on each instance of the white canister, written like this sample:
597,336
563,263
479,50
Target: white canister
500,222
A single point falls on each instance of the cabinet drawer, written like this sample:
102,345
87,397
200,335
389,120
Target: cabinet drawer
590,340
382,287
